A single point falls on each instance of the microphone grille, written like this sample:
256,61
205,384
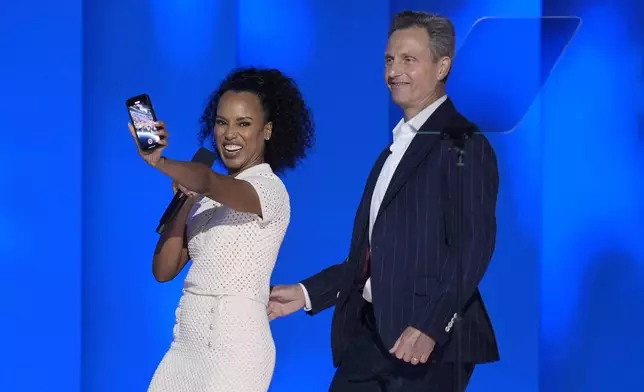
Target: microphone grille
205,156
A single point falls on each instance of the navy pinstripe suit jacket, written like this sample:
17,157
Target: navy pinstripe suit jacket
413,262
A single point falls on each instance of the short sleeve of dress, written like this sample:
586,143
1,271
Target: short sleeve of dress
272,195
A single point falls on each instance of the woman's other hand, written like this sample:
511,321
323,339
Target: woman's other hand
180,188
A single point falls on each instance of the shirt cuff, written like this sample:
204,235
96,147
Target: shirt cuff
307,299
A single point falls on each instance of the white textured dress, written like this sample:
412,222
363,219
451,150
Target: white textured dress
222,339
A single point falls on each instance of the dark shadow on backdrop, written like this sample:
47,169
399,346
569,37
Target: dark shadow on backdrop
604,346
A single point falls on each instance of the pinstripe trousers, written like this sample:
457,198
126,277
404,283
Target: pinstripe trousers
367,366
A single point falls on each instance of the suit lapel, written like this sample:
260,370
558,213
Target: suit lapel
365,204
427,137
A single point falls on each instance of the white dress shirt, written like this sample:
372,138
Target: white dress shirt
403,134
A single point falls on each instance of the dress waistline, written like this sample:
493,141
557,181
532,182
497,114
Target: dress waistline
234,296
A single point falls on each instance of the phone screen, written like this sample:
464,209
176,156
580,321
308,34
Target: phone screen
143,119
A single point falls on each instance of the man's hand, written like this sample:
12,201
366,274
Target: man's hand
413,346
285,300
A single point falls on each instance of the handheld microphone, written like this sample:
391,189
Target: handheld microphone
203,155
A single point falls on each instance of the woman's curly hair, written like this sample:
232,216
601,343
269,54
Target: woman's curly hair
293,130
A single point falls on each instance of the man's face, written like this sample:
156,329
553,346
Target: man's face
410,71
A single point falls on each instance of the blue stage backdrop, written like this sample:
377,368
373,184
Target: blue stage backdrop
592,264
40,202
82,310
175,51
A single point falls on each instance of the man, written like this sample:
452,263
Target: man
395,295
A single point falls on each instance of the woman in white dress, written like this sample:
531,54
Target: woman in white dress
231,229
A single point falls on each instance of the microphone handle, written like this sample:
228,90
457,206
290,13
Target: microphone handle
171,212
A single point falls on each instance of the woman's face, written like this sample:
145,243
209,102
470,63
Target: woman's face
240,130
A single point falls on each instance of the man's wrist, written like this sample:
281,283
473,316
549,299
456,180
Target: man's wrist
307,299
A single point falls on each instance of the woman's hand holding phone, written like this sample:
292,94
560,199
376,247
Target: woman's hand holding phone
152,157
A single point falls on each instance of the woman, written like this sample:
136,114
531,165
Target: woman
231,228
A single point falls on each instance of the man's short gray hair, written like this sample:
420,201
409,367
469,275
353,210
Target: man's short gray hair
442,37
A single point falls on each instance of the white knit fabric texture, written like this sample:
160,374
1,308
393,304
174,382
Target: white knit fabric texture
222,339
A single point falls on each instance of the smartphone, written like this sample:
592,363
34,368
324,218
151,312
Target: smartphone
143,118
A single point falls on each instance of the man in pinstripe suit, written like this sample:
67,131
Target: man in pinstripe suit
395,294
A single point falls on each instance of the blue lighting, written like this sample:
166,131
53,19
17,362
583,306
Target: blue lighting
183,30
78,209
276,33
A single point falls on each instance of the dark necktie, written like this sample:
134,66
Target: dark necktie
366,268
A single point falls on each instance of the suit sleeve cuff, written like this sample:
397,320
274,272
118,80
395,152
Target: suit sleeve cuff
307,299
438,321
